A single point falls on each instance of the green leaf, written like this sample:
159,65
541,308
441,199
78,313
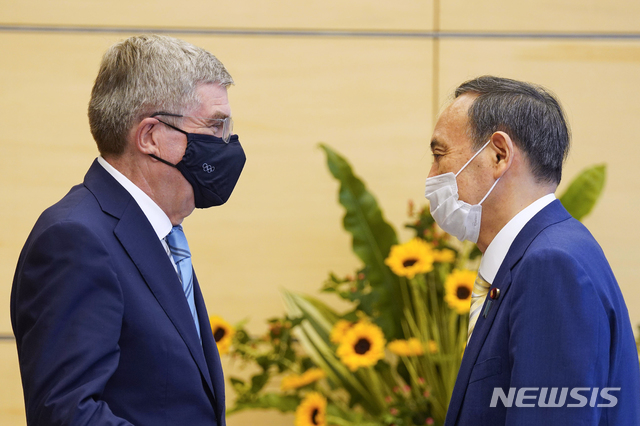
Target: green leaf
372,241
258,381
283,403
338,417
264,361
372,235
238,385
584,191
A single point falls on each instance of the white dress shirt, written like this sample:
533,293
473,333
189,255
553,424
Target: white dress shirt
499,247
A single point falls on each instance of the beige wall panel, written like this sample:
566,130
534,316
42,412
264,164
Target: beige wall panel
45,82
11,400
368,98
541,15
597,83
332,14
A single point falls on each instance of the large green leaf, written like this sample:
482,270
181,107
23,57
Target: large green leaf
584,191
372,241
372,235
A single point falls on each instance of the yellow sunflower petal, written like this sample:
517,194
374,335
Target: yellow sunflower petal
415,347
339,329
411,258
290,382
295,381
312,411
444,256
398,347
458,287
312,375
411,347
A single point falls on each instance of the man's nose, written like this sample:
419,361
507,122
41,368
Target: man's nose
434,170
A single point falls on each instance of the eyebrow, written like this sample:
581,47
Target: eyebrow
220,115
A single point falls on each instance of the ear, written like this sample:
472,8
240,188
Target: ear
503,153
146,136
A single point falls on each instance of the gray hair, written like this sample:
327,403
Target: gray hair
142,75
528,113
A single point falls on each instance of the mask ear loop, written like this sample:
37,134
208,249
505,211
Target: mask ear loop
494,185
162,161
174,128
474,156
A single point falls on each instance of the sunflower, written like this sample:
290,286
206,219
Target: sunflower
458,288
222,333
411,258
444,256
312,410
411,347
339,329
362,346
295,381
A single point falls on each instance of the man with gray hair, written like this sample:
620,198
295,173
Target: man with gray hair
109,319
550,340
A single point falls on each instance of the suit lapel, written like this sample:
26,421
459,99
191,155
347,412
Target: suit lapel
551,214
141,243
211,353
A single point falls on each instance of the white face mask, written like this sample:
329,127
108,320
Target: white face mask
460,219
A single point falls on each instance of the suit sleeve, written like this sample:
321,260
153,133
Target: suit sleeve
67,311
559,338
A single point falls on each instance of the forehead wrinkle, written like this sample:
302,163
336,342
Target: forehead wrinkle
217,115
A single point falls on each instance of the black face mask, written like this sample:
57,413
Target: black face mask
211,166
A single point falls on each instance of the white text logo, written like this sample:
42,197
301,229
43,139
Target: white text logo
549,397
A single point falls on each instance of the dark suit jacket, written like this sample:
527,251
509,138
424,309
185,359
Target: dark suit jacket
103,329
559,321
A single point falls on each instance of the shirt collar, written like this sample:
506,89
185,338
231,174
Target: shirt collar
159,220
499,247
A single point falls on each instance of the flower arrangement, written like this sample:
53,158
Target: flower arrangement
393,357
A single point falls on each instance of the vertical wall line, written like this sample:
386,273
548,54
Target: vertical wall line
435,63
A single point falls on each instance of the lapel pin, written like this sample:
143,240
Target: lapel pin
494,294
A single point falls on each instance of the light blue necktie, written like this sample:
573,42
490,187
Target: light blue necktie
179,248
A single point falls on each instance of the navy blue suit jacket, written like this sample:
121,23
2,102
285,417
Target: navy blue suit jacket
103,329
559,322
